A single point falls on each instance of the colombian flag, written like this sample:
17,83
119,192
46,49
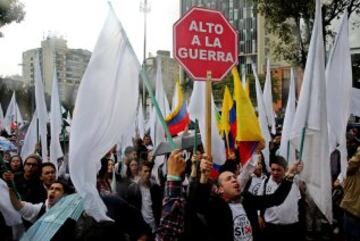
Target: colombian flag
179,118
227,120
248,132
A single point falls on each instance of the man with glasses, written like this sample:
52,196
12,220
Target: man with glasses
28,183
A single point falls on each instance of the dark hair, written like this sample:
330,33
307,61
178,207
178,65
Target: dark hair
128,150
21,161
104,167
67,188
146,163
279,160
39,162
147,135
263,164
16,155
229,165
47,164
128,171
36,157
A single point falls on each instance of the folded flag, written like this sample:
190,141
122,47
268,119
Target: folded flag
179,118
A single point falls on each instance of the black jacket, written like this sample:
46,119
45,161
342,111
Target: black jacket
134,197
217,213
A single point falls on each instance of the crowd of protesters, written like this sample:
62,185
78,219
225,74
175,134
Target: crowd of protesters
185,202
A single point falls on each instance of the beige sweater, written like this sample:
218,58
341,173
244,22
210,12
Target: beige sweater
351,200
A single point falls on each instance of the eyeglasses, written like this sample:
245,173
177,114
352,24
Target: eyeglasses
31,164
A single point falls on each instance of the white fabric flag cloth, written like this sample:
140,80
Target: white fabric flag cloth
12,114
129,134
156,130
55,123
41,108
140,120
268,99
30,139
68,118
11,216
263,121
105,107
197,111
338,91
243,77
286,150
174,99
1,118
355,100
311,118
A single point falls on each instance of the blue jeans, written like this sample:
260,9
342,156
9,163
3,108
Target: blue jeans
351,227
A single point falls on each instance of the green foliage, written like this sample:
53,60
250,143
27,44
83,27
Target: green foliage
219,87
24,98
5,96
284,18
11,10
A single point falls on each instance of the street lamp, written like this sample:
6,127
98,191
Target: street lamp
145,8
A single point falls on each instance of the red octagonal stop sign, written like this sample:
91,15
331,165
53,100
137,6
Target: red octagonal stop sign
205,41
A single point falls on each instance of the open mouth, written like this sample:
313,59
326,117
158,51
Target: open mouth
237,187
51,198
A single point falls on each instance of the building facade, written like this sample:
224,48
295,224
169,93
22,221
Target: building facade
70,65
169,70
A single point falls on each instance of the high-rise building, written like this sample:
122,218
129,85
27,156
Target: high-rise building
169,70
242,14
70,65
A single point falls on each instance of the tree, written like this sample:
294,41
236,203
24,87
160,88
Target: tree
291,22
219,87
11,10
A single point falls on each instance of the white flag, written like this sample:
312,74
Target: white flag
140,120
10,214
175,98
1,118
243,77
310,123
355,100
105,107
41,111
338,91
286,150
268,99
68,118
55,123
157,132
12,115
30,139
263,121
197,111
129,134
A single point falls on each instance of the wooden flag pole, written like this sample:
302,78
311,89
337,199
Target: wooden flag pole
208,114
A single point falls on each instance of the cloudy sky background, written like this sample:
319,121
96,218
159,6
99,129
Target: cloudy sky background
80,21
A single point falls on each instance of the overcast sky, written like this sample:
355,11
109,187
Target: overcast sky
80,21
